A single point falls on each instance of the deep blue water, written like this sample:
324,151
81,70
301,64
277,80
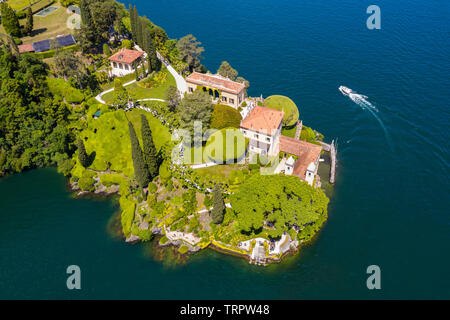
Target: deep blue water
390,205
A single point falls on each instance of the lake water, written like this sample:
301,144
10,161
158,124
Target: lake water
390,202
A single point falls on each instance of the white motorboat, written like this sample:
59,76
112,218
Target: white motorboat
345,91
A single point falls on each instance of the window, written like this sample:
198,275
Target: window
256,136
268,139
243,131
224,99
191,89
120,66
232,101
126,67
115,65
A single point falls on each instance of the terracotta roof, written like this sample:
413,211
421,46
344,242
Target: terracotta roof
262,119
215,81
126,56
26,48
306,152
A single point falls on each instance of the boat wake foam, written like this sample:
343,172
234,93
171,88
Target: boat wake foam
361,101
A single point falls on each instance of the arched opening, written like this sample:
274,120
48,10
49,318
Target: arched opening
211,92
216,94
204,89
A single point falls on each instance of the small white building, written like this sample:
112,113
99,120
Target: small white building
307,164
289,166
263,128
123,61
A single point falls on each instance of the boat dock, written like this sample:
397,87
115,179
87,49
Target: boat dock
331,148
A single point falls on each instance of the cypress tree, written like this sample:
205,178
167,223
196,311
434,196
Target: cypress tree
140,168
136,71
82,155
140,31
136,24
10,21
85,13
150,153
29,24
218,210
153,62
132,22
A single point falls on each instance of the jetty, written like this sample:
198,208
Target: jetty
332,149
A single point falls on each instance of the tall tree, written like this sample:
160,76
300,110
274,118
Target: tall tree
227,71
195,107
136,70
140,30
29,24
136,21
10,21
172,97
132,22
148,146
218,209
190,51
82,155
85,12
140,168
153,61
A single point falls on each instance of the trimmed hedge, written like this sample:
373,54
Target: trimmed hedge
51,53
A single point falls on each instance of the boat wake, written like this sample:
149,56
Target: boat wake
361,100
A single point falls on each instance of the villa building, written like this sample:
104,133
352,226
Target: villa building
123,61
222,89
308,155
263,128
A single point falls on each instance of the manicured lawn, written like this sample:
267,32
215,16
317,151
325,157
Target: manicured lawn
48,27
137,92
219,172
109,138
221,146
285,104
18,5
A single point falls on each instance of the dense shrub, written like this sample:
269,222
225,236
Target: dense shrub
127,216
109,179
86,182
308,135
164,172
183,249
145,234
63,89
127,44
224,117
163,240
152,187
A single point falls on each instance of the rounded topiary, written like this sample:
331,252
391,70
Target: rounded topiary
285,104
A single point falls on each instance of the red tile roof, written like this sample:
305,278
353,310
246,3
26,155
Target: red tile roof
262,119
215,81
306,152
126,56
26,48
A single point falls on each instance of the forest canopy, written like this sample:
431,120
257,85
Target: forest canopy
277,203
